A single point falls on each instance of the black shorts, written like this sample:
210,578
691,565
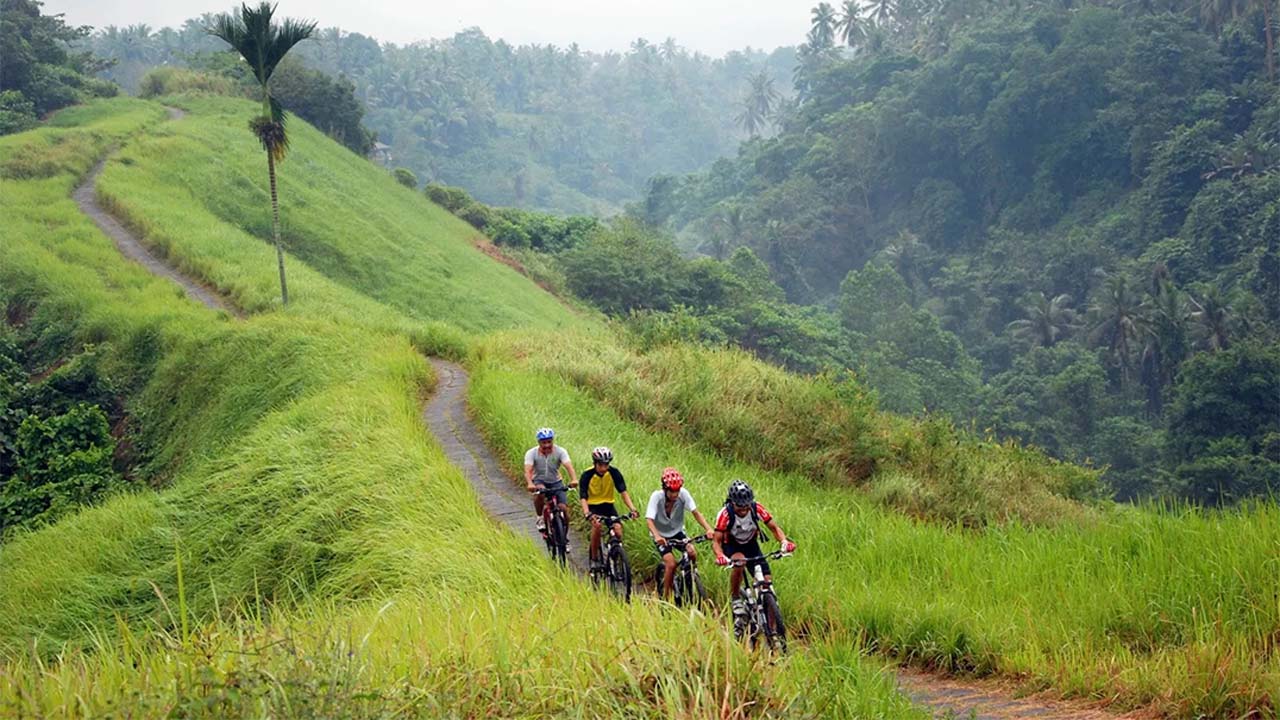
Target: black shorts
748,550
659,546
606,509
562,493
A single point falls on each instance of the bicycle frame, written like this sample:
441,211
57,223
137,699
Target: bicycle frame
552,512
685,581
754,596
613,557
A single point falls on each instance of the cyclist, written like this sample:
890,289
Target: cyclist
737,536
665,517
542,470
598,488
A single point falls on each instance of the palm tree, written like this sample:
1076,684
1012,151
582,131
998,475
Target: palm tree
883,11
263,44
1164,326
1118,324
823,32
1047,321
852,27
758,105
1212,319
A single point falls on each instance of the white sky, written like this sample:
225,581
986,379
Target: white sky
711,26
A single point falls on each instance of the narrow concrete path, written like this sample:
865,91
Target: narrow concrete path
446,416
86,197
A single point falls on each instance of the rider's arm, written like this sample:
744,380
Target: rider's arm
777,532
717,543
653,530
573,477
528,476
626,497
584,489
697,515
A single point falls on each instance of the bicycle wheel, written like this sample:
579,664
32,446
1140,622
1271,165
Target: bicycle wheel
620,572
775,632
695,592
559,535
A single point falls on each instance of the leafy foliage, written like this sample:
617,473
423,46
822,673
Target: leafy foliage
1067,205
40,72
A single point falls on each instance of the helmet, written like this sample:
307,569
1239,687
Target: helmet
740,493
602,454
672,479
545,433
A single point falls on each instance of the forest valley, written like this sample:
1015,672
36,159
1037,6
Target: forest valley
1057,222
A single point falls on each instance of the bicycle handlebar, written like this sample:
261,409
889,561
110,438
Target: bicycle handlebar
610,519
740,562
697,539
543,490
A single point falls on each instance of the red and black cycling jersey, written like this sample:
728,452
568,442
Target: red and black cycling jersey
741,529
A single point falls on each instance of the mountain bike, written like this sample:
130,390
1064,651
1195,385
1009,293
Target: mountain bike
614,567
556,523
686,585
763,616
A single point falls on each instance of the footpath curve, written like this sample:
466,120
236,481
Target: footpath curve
445,415
86,198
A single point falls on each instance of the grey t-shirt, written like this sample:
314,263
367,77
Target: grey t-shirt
669,525
546,468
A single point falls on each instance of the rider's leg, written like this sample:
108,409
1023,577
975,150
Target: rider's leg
735,576
537,504
668,573
693,554
595,541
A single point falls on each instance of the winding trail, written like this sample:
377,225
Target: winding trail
86,197
445,415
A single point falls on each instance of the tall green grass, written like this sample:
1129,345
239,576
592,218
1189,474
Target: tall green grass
730,403
1176,609
311,553
342,218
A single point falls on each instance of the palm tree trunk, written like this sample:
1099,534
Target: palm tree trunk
1271,47
275,228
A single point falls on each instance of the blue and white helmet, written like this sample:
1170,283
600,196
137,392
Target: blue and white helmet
545,434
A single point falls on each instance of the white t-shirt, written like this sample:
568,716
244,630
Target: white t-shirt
672,524
546,468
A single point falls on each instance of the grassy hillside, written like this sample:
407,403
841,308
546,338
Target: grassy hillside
344,218
1171,608
300,475
311,552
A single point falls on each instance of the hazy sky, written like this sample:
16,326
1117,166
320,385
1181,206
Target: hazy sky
712,26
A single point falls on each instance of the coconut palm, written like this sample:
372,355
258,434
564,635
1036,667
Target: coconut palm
758,105
883,12
1117,322
1047,321
823,32
1165,317
852,26
1212,319
263,44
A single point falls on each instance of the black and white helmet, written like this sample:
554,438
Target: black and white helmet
740,493
602,454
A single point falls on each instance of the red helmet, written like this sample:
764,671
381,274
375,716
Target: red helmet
672,479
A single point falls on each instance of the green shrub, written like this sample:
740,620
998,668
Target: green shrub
405,177
17,113
63,462
172,80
